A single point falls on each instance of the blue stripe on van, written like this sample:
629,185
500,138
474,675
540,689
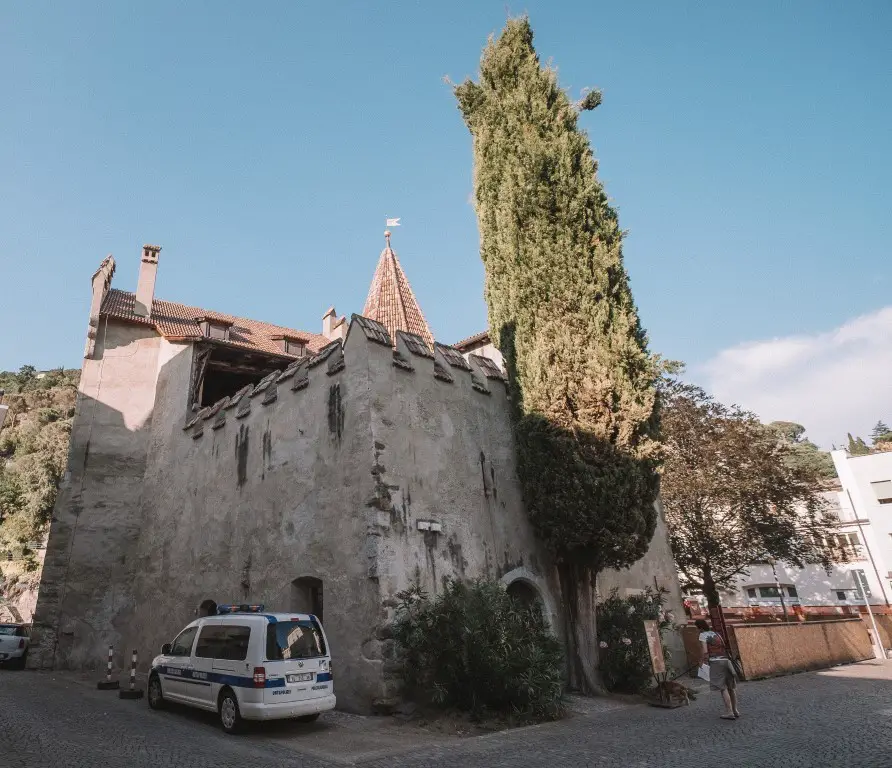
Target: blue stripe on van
234,681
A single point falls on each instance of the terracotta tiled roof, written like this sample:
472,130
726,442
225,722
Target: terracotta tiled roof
178,321
391,301
478,338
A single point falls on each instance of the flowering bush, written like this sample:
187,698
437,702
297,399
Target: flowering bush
476,648
625,659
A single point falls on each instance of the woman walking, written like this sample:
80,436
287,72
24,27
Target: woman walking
721,671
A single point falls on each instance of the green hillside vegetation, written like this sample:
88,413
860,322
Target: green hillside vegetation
33,453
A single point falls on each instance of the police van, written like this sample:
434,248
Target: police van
246,664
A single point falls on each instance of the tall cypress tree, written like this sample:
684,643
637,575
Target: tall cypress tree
562,313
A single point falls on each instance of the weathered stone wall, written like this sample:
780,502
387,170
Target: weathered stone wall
445,456
325,472
656,570
96,520
270,490
329,480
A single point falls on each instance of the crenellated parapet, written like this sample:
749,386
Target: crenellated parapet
410,354
295,378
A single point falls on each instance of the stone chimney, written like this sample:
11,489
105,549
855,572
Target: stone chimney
333,327
145,288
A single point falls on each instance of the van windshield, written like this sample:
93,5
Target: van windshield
294,640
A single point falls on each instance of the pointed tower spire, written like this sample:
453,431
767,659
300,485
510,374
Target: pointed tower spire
391,301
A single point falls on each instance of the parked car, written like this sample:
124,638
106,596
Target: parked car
14,644
245,664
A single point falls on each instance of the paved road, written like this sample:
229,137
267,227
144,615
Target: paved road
840,717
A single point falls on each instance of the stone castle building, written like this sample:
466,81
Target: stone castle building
219,459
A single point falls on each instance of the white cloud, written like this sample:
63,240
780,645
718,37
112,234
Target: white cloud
832,383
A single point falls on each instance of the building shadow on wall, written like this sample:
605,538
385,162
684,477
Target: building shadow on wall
92,537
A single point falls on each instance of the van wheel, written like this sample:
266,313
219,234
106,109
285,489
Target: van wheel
20,662
156,695
308,718
230,717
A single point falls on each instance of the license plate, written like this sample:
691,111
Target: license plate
303,677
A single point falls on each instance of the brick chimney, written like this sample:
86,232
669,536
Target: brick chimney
145,288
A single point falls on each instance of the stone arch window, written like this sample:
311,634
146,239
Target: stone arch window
306,596
207,608
525,585
526,594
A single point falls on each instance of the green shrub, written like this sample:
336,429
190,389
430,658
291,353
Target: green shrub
625,659
47,416
477,649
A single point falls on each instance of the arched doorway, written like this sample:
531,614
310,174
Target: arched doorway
306,596
525,594
207,608
529,588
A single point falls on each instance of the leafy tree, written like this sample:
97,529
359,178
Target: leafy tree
804,453
732,495
560,307
26,374
857,447
880,433
789,431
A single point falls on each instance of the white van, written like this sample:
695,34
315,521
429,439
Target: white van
247,665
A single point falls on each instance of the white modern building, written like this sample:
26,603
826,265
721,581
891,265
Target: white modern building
863,504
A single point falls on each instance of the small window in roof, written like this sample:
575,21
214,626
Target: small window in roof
291,345
214,329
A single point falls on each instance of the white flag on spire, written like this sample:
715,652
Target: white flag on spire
393,222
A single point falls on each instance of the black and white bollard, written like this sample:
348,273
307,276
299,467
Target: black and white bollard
108,684
132,693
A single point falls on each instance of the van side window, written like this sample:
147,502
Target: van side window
226,642
182,646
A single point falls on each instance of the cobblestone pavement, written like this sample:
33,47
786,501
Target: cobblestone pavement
839,717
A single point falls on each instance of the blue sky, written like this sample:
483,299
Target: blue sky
747,147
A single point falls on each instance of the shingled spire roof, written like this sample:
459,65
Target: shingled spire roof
391,301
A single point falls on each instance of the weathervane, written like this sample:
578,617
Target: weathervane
390,223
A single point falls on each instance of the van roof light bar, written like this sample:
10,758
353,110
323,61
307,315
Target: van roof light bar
222,610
